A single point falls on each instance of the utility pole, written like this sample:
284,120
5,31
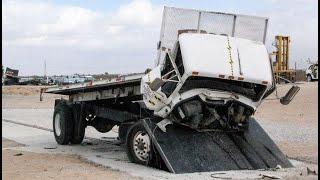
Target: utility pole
45,72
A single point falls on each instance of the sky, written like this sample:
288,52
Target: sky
98,36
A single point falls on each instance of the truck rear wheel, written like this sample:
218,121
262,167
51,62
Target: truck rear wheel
79,125
139,147
62,123
123,131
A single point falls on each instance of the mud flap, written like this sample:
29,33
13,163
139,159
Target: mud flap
186,151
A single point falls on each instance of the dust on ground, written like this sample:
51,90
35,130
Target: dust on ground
28,165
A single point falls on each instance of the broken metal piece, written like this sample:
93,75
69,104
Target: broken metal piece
214,175
181,113
272,169
215,116
263,176
162,124
313,172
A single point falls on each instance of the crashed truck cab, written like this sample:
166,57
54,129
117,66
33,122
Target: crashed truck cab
208,77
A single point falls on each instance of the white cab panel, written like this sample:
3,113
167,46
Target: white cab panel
210,56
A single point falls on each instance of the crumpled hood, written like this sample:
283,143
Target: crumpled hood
214,55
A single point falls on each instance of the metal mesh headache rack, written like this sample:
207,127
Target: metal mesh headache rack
175,19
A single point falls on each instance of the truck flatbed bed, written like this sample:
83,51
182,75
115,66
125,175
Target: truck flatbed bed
122,81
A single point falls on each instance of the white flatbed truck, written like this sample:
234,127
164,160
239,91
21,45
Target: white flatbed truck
193,111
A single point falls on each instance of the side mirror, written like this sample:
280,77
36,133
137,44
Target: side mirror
285,100
156,84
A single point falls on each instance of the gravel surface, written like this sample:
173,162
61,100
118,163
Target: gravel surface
294,127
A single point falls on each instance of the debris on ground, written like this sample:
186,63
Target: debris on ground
268,176
311,172
215,175
88,143
18,154
55,147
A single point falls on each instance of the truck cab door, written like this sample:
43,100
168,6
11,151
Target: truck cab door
153,97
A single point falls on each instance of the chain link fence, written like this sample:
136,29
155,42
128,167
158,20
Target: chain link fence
175,19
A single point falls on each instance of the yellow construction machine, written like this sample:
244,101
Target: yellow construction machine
281,62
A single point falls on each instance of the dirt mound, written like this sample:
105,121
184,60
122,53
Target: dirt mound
22,90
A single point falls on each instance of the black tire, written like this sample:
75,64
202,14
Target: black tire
123,131
137,128
79,125
309,78
64,122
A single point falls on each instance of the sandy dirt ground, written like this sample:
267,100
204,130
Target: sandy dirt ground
28,165
299,119
22,90
294,128
27,97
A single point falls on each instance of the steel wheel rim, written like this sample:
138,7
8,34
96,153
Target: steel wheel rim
57,124
141,145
